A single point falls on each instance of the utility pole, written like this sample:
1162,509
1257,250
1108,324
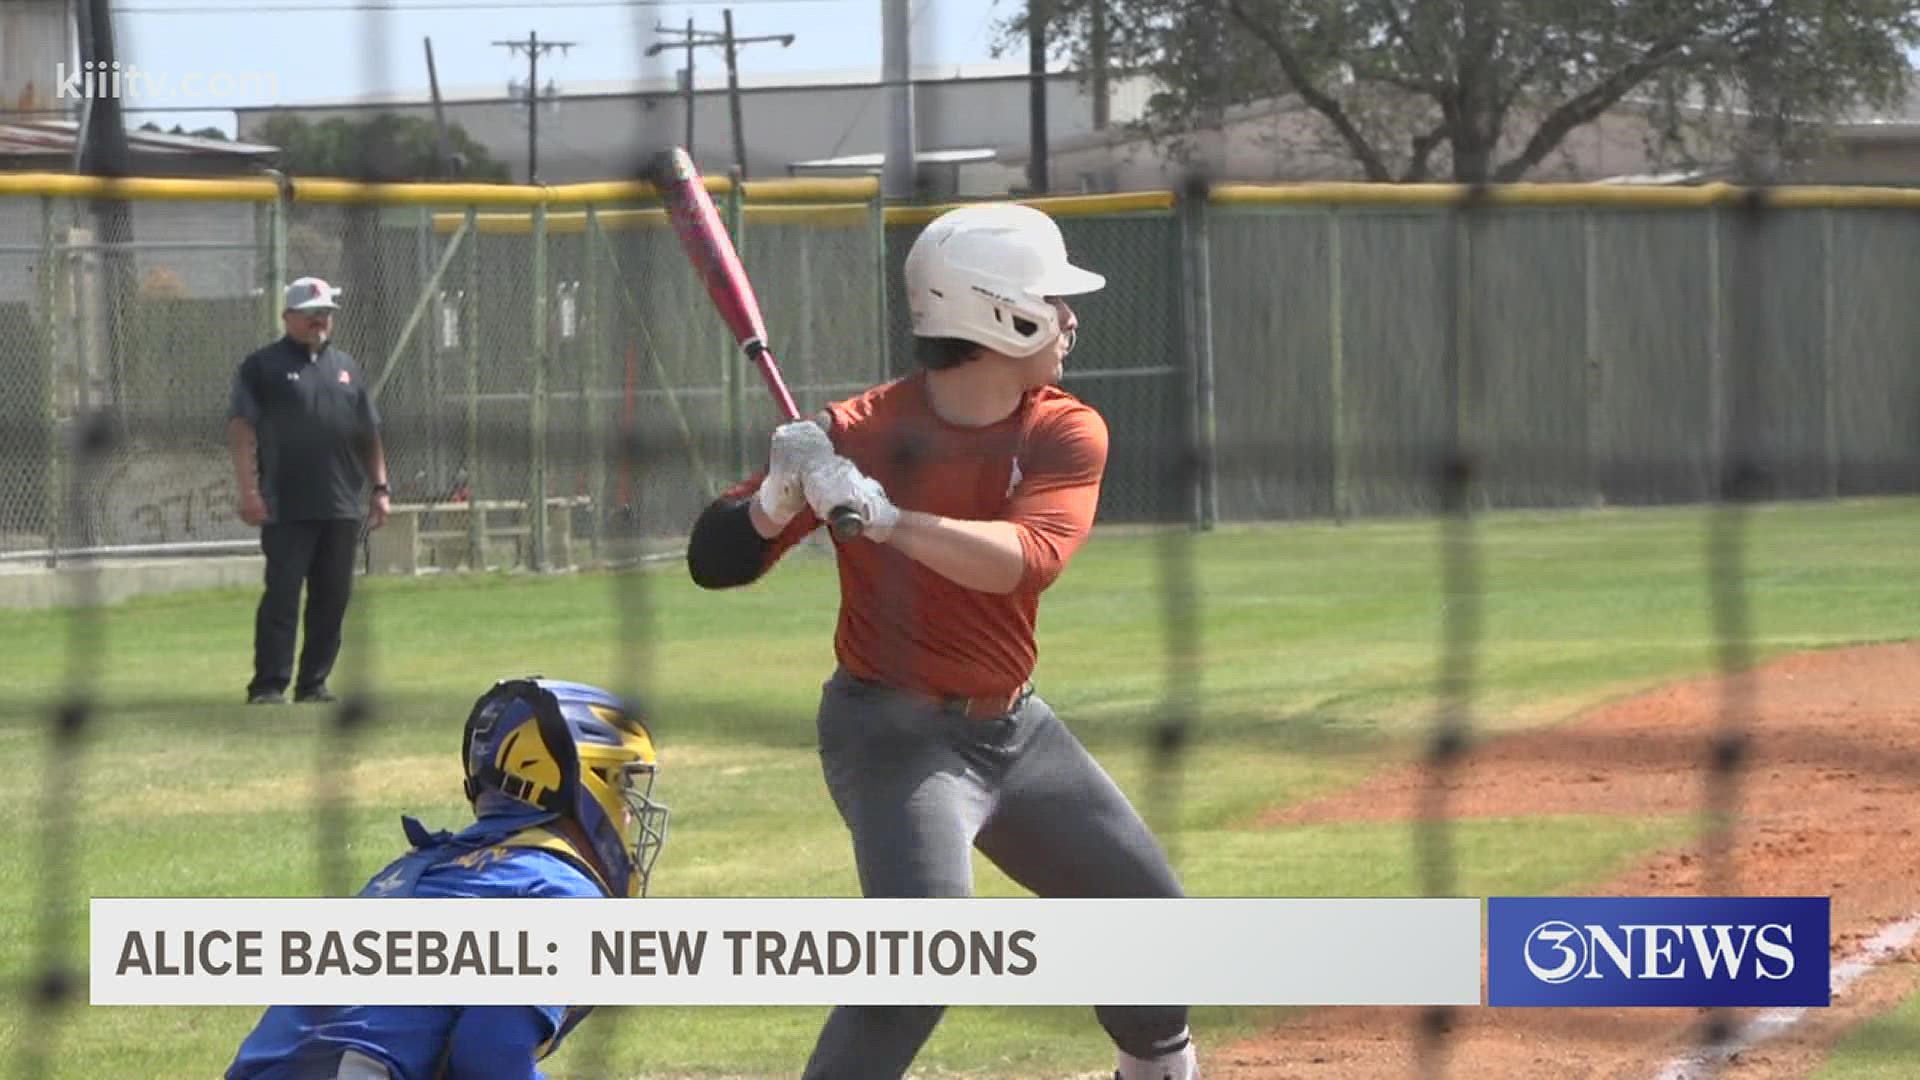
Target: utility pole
1037,15
689,94
443,157
728,41
535,49
690,39
1099,59
733,93
896,72
105,152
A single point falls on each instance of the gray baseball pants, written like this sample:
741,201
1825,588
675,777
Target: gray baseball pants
919,786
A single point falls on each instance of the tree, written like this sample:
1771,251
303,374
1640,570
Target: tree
202,133
1489,88
385,147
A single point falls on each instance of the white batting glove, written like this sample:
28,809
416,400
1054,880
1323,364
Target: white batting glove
797,447
838,482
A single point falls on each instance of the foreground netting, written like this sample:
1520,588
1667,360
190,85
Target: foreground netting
1265,354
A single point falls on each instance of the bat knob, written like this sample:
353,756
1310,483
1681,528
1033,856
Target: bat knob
846,523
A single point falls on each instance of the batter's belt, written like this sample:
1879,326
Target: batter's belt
978,707
981,707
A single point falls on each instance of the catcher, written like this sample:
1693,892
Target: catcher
560,776
978,479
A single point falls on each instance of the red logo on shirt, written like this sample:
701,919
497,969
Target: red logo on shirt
345,378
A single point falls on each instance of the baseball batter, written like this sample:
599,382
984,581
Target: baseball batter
978,478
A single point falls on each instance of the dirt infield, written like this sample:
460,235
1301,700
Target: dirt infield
1829,805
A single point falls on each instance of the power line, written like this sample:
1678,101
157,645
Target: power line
535,49
729,42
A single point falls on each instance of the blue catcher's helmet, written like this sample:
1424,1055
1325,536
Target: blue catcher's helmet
574,751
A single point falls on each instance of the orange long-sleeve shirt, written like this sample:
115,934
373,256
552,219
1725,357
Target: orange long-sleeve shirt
901,623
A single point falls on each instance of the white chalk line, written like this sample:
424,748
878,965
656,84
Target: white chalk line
1705,1062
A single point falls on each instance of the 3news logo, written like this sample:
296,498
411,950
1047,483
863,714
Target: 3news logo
1728,951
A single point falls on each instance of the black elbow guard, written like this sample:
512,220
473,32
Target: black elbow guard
725,549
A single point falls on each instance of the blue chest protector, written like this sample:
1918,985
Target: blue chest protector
483,843
493,857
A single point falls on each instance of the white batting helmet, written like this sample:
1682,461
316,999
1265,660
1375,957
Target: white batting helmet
979,272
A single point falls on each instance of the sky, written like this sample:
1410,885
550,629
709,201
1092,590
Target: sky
290,51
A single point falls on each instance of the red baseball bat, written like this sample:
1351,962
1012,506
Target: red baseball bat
711,251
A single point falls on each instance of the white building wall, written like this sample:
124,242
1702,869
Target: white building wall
595,137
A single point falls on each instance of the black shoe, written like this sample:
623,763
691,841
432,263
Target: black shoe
320,695
266,697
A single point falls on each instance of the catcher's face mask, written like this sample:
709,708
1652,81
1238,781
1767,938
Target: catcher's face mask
577,752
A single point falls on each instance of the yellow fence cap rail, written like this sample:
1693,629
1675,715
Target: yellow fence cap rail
574,221
824,189
1840,198
1442,195
849,190
1626,196
559,222
830,199
619,191
159,189
1126,202
835,214
355,192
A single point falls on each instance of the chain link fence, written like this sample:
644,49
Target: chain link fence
1574,336
1595,346
139,331
511,335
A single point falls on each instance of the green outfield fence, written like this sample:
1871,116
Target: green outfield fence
510,329
1260,353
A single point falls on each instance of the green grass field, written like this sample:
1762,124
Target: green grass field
1321,646
1885,1048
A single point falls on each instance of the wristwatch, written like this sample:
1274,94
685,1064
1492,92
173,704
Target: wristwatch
382,489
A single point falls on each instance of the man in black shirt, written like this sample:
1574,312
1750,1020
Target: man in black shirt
305,438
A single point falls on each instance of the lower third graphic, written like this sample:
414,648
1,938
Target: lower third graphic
1658,951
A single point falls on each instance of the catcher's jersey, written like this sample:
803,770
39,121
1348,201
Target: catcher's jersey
415,1042
901,623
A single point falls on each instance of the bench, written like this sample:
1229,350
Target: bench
418,537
